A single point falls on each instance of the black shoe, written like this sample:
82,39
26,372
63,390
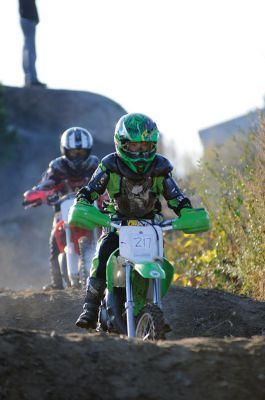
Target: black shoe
87,320
95,290
36,84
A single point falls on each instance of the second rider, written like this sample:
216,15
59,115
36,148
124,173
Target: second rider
66,174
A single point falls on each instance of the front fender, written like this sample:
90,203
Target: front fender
161,269
150,270
169,271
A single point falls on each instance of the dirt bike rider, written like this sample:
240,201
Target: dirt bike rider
66,174
134,177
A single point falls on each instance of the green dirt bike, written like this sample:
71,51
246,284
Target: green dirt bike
138,274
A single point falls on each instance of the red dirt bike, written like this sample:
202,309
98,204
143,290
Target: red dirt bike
76,245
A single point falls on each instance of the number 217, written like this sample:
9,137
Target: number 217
142,242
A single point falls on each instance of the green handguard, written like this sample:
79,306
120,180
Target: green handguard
192,220
85,215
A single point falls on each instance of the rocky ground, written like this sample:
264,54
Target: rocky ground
215,350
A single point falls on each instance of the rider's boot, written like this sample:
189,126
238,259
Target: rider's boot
94,293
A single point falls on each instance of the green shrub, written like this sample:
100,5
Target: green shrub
230,184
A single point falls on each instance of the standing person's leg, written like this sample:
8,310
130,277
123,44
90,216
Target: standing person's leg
96,283
29,50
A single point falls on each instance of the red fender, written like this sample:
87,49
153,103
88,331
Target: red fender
77,233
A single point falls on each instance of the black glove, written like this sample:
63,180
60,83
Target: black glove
53,199
83,194
184,203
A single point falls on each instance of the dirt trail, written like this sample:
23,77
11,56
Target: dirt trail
190,312
214,351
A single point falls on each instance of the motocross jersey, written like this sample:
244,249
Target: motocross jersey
132,194
65,179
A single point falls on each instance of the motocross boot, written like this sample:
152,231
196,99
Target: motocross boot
56,277
94,293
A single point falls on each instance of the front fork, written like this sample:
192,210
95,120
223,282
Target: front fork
71,258
157,292
129,305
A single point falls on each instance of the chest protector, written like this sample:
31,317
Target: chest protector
135,198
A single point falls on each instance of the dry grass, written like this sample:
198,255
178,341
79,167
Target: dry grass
230,184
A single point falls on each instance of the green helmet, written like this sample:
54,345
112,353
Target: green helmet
135,138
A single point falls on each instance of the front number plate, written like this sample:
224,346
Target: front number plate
141,245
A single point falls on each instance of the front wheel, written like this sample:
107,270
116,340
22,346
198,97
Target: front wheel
150,323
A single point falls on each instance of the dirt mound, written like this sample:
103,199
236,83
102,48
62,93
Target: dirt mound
44,356
42,366
190,312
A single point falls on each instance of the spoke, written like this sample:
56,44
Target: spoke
146,330
150,323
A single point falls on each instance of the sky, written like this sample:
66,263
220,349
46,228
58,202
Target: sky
187,64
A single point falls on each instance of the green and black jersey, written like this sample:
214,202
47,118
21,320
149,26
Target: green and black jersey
132,194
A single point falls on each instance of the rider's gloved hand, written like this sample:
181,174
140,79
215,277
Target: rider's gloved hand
83,195
184,203
53,199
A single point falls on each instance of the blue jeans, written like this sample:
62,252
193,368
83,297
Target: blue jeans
29,50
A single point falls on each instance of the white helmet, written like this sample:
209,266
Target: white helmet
76,145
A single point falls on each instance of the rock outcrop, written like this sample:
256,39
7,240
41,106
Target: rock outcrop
39,116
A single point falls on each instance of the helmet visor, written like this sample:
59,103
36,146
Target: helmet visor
74,154
138,149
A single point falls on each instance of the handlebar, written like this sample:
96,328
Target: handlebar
191,220
34,198
29,204
68,196
164,225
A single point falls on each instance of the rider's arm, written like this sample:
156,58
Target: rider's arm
96,186
175,198
41,193
53,177
46,191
